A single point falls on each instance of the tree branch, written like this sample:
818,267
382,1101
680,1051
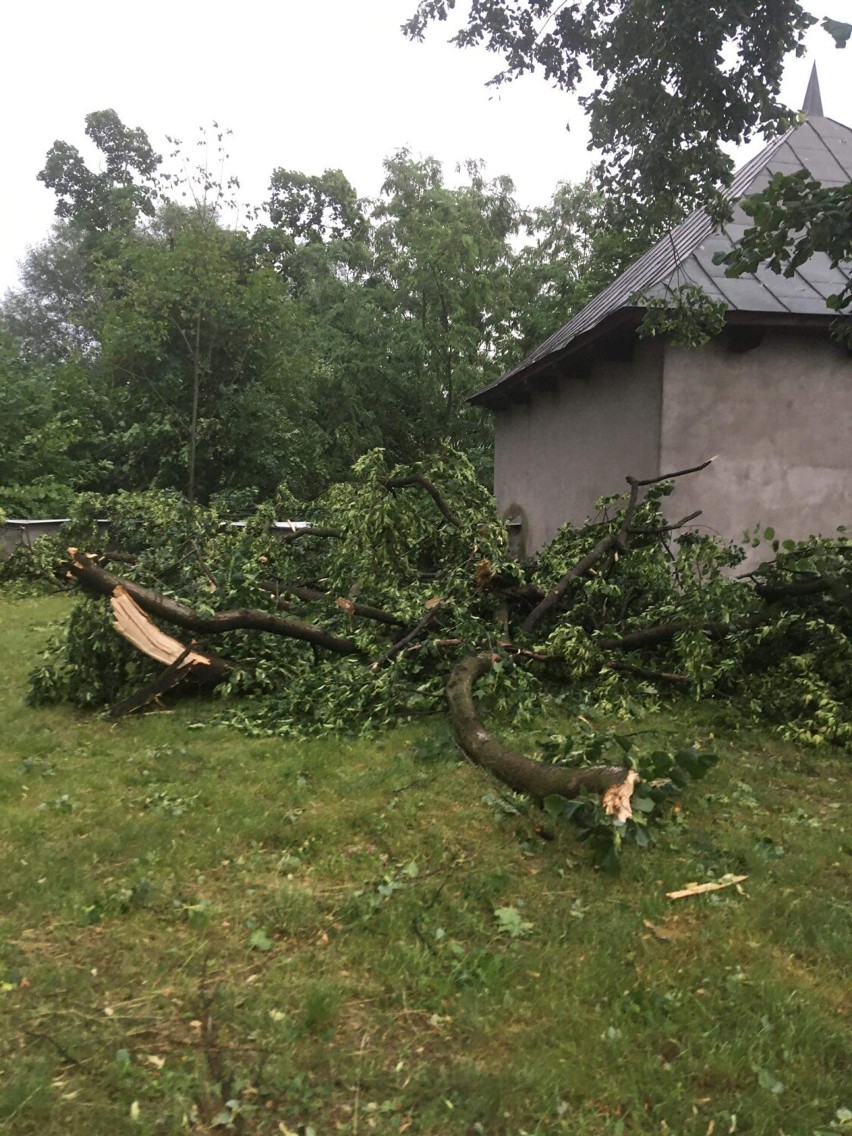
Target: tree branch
418,479
618,540
519,772
400,645
103,583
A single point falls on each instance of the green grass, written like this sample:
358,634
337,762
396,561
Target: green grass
309,931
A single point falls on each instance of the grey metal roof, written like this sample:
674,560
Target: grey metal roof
819,145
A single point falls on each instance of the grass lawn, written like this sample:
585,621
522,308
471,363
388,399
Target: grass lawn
202,932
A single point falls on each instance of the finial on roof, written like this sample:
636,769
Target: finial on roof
813,99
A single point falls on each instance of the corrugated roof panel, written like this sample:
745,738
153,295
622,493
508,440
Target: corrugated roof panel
822,146
820,163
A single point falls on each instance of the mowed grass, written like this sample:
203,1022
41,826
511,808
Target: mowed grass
201,932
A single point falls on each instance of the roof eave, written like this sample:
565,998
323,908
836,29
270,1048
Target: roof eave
520,381
518,386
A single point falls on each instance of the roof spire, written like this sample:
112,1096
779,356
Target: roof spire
813,99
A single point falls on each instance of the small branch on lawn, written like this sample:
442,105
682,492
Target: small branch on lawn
425,623
316,595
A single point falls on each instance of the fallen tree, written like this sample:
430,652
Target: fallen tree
415,603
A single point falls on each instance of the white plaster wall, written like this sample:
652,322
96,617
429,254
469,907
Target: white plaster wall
554,456
779,417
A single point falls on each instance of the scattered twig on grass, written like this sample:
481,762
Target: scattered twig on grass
699,889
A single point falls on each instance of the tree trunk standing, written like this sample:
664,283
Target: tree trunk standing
193,423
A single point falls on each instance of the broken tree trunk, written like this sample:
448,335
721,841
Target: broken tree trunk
104,583
519,772
184,662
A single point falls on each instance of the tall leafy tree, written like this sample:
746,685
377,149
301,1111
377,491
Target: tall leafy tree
672,83
410,296
115,196
444,258
197,336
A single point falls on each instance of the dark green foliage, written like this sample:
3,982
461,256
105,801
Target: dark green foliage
662,104
33,569
778,643
674,83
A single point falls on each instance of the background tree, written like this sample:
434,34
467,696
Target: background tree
115,197
444,260
409,295
43,458
573,250
673,83
198,341
229,360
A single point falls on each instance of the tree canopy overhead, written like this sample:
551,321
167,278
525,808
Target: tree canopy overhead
672,84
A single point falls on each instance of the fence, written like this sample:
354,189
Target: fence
19,531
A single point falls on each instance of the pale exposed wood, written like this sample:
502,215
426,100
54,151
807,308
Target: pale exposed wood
699,889
132,622
616,799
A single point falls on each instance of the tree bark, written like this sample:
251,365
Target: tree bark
103,583
424,483
514,769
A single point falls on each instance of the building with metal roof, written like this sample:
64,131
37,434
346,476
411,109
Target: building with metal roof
771,395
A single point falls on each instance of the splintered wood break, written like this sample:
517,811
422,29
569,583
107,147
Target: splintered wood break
616,799
132,622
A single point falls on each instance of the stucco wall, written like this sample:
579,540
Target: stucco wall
554,456
779,417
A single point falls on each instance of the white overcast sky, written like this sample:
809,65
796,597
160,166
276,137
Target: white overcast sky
304,84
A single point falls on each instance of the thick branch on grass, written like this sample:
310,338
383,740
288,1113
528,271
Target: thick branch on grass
514,769
184,662
130,621
424,483
101,582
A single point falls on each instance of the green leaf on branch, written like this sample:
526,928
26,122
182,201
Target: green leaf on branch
838,30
